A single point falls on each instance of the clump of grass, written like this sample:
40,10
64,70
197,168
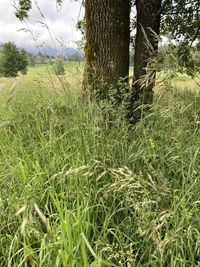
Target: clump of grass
75,192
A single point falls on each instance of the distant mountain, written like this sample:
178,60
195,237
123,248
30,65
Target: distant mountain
48,50
51,51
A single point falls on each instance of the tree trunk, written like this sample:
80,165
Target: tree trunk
146,47
107,44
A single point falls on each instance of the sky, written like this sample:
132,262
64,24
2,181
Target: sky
61,22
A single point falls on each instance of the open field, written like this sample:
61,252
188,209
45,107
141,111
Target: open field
41,70
78,192
44,73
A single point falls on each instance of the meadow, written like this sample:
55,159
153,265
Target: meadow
78,191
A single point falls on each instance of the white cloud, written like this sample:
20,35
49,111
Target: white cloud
62,23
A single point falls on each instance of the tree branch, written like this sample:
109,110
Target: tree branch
165,3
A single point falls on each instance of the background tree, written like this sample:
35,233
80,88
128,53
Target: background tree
22,61
78,56
1,68
59,67
31,60
13,60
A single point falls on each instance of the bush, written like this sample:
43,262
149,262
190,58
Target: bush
59,67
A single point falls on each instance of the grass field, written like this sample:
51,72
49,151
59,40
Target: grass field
75,192
41,70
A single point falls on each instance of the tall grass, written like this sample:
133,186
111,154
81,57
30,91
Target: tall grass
77,192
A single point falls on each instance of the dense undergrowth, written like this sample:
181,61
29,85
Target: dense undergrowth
76,190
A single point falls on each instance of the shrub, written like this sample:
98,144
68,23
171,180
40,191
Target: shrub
59,67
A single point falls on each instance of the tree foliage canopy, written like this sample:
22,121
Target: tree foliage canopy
23,8
181,19
13,60
59,67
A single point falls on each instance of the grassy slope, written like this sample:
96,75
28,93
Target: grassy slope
120,196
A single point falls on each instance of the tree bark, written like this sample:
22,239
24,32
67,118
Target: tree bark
146,47
107,44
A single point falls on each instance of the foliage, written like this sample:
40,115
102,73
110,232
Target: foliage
116,105
181,55
81,26
13,60
59,67
24,7
1,68
22,10
75,57
181,19
31,61
23,61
